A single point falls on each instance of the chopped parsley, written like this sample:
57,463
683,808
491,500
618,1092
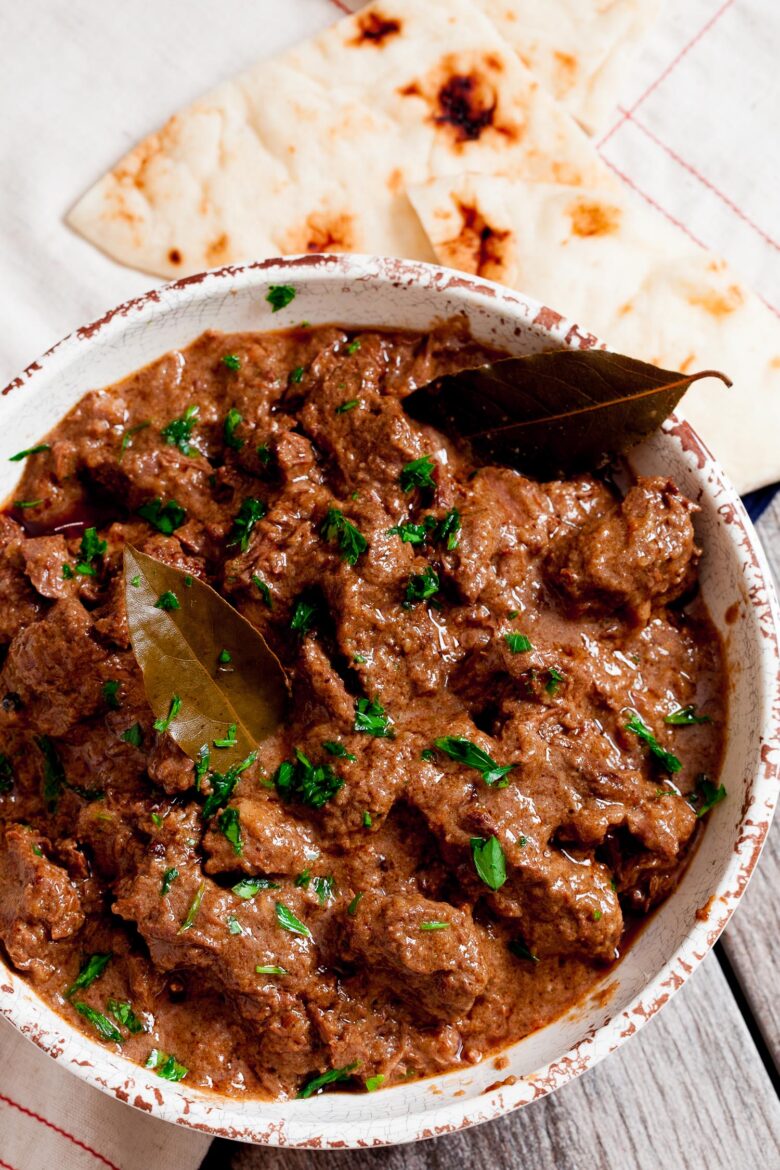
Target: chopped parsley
20,455
371,719
706,795
164,722
351,541
554,680
229,824
202,764
169,877
428,754
178,431
686,717
222,785
352,908
353,346
90,549
317,1084
110,691
233,925
134,735
421,587
166,1066
27,503
136,581
596,916
518,643
410,533
296,375
303,879
167,600
345,407
446,530
463,751
279,296
367,820
265,592
166,518
323,888
519,949
374,1083
434,925
303,617
230,739
7,773
130,433
123,1014
263,454
102,1025
248,887
91,968
250,512
489,861
53,771
157,820
418,473
338,750
269,969
670,762
224,658
233,419
310,784
192,913
231,360
288,921
67,572
359,658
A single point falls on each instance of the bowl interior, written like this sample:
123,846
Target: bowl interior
733,580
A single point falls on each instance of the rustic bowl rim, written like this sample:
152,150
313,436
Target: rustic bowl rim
226,1117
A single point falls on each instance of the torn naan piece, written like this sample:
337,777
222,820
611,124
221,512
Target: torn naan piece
312,151
580,50
603,259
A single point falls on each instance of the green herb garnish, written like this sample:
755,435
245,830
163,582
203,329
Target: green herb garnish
417,473
518,948
518,643
351,541
706,795
463,751
270,969
371,719
231,360
166,1066
20,455
53,771
250,512
554,680
288,921
178,431
323,888
352,908
337,749
353,346
296,375
27,503
130,433
229,823
446,530
192,913
303,879
92,967
110,691
222,785
167,601
230,739
374,1083
686,717
489,861
345,407
434,926
163,723
316,1084
367,820
123,1014
279,296
232,420
410,533
169,877
134,735
102,1025
224,658
303,617
310,784
90,549
166,518
233,925
248,887
67,572
265,592
421,587
669,761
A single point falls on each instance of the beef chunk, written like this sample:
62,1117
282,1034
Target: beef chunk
19,605
638,554
438,972
39,904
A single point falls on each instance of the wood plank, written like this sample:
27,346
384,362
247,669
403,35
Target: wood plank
689,1091
752,940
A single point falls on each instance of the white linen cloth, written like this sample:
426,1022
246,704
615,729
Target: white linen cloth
696,134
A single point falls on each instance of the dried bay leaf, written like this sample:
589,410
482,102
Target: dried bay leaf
553,413
179,649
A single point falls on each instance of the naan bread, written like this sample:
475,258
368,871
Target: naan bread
313,151
580,50
621,271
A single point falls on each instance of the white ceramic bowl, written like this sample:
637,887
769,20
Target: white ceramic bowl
736,586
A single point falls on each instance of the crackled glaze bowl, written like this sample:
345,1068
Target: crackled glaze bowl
736,585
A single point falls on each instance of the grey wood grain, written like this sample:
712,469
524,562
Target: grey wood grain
752,940
690,1091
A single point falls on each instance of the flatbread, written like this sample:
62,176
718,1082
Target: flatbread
621,271
580,50
313,150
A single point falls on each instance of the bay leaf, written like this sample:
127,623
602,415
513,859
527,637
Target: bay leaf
553,413
179,650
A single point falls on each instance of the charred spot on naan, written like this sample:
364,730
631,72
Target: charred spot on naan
374,28
717,302
174,256
323,231
218,250
463,96
478,247
590,218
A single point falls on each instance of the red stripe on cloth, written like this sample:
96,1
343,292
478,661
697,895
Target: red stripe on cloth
702,179
669,68
5,1166
63,1132
341,6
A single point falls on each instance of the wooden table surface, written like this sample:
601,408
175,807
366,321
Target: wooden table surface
696,1088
